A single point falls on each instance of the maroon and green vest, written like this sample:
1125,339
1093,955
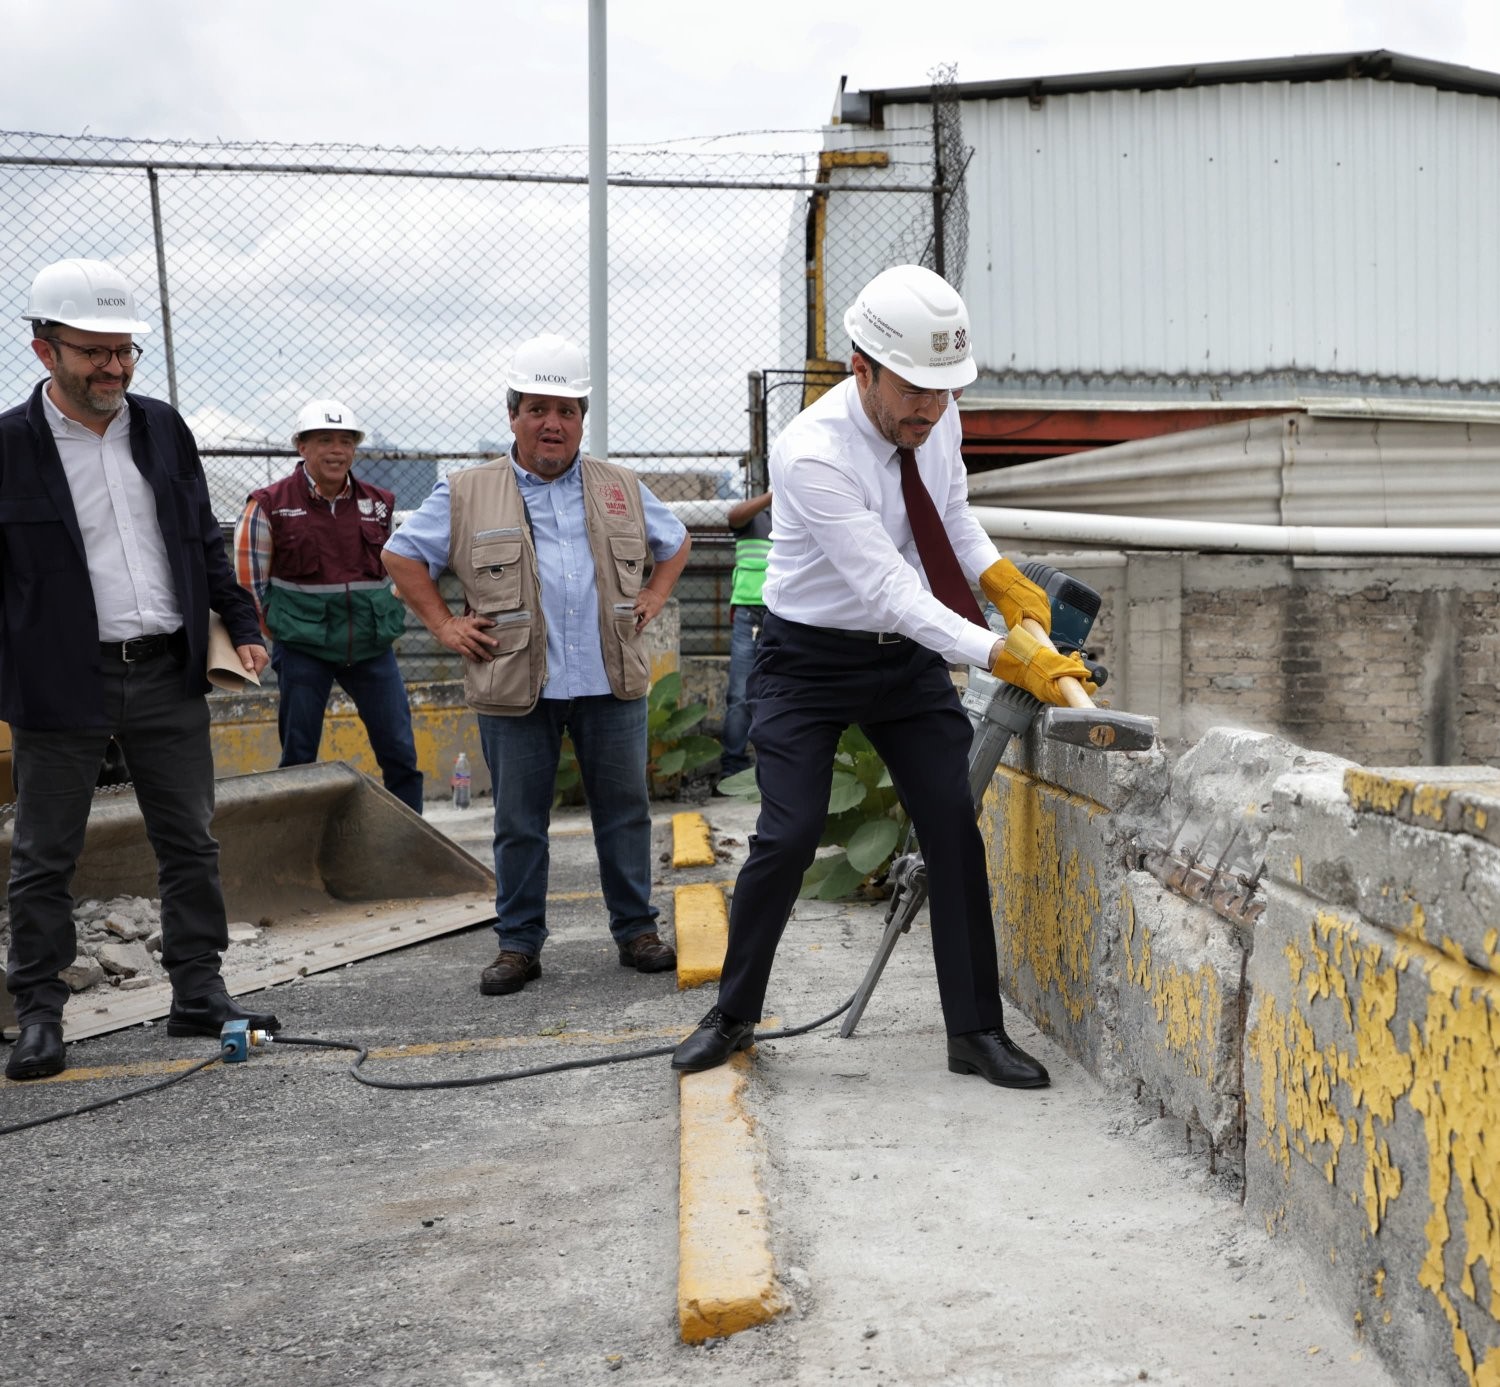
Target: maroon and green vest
329,594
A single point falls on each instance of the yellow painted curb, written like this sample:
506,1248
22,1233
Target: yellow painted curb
726,1277
690,841
702,926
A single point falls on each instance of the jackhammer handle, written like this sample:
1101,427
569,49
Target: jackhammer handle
1071,689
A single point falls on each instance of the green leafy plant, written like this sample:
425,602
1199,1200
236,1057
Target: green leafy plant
567,787
674,750
865,819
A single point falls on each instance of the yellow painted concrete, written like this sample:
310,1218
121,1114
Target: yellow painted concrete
1410,1028
244,740
1050,897
1189,1006
702,925
691,844
726,1275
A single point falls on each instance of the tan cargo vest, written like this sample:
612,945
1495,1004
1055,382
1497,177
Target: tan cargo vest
491,551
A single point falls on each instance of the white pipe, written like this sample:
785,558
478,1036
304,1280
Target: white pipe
1143,532
702,515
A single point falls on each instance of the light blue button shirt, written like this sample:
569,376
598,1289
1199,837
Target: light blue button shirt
565,565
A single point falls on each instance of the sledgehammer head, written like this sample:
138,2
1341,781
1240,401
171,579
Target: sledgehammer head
1104,729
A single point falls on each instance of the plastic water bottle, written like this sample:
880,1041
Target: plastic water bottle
461,781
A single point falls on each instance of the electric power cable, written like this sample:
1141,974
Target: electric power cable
361,1054
109,1102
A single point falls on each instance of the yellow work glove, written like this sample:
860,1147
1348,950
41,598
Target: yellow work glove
1036,667
1015,595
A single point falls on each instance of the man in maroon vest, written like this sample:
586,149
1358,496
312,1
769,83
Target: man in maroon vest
308,549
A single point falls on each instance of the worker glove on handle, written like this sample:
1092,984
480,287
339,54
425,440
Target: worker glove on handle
1036,667
1015,595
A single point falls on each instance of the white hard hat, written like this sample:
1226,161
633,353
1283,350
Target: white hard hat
87,294
913,321
548,365
326,414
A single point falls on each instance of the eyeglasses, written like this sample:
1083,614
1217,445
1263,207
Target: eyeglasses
100,357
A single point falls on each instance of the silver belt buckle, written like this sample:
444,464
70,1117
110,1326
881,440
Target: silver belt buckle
125,656
889,638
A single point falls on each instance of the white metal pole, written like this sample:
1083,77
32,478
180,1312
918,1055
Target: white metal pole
598,234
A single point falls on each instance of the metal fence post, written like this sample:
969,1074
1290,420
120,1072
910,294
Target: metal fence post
161,288
757,479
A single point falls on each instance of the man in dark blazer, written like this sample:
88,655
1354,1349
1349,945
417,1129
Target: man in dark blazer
110,561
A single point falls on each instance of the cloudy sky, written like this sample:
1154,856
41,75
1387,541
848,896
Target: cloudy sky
268,280
506,75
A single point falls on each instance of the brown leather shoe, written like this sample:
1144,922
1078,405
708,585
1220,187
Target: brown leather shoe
510,972
647,954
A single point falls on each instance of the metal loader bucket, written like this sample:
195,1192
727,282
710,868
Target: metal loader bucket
324,860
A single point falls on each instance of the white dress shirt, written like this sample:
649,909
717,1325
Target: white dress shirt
122,539
842,553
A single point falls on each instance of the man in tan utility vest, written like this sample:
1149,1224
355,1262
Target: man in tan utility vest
551,548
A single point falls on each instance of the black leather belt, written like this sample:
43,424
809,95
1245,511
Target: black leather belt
132,652
879,637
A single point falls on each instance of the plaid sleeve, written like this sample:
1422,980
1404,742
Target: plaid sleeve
252,556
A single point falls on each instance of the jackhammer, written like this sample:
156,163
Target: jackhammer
998,712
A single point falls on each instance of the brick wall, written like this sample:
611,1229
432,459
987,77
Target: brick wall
1388,662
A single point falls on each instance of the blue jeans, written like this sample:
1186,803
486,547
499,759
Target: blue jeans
379,694
744,632
609,735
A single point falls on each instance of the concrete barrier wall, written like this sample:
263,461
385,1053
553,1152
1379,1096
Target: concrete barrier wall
1297,957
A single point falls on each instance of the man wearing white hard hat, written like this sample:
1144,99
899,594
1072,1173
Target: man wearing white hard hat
110,562
307,548
551,547
868,602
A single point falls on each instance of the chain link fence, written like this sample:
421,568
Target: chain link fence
399,280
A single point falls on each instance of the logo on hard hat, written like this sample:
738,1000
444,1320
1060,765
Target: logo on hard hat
940,342
961,339
111,303
551,379
332,418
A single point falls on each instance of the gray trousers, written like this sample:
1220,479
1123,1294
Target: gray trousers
165,739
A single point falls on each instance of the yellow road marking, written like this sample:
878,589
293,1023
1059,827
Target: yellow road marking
691,845
702,926
726,1276
156,1069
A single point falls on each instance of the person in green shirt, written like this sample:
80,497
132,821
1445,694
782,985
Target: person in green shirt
751,522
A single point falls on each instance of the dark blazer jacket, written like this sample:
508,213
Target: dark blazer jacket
49,628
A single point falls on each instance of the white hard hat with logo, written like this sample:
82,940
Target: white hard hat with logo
548,365
326,414
913,321
87,294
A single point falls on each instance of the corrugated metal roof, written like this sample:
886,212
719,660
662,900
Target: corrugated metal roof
1279,470
1380,64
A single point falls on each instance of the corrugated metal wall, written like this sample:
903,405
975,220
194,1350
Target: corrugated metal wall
1341,230
1280,470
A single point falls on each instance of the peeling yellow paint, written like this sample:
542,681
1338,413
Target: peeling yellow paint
1188,1006
1369,790
1046,901
1334,1082
1297,868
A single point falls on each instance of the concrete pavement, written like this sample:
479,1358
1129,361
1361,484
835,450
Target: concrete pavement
275,1219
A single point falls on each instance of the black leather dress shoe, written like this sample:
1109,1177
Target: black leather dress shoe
207,1015
38,1053
993,1055
717,1037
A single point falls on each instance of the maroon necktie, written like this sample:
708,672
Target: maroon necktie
939,562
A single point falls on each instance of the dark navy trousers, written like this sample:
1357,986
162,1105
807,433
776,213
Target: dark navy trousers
806,687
